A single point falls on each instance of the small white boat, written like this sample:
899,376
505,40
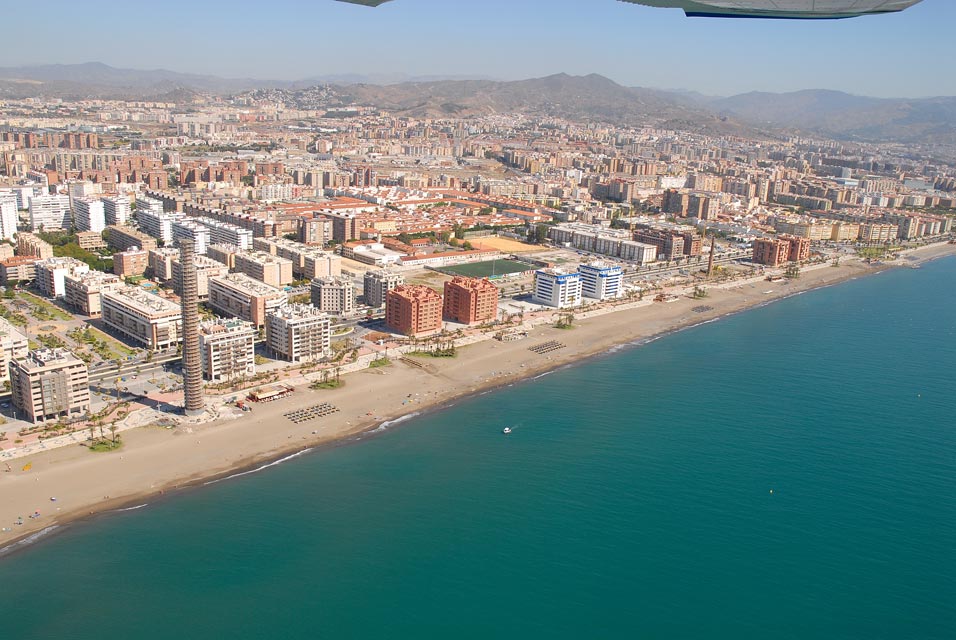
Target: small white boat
506,430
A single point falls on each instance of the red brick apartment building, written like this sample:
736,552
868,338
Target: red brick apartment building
771,251
470,300
413,310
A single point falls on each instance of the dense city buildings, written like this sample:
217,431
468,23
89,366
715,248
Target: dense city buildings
470,300
414,310
237,295
558,288
228,349
147,319
50,385
378,283
299,333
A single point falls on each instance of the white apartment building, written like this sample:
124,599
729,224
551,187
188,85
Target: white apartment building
187,229
158,225
13,345
228,349
50,212
50,274
333,295
557,288
89,215
117,210
377,284
149,205
225,233
299,333
601,281
8,216
50,385
146,318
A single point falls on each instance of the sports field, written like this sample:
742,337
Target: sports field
486,269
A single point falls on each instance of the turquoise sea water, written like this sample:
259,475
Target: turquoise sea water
632,500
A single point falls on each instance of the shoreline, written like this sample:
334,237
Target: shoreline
165,464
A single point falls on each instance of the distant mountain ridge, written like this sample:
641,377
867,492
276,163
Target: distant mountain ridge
824,112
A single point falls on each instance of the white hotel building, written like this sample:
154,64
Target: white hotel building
601,281
557,288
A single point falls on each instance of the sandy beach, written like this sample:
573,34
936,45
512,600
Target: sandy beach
157,460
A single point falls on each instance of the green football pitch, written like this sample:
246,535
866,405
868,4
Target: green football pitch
487,269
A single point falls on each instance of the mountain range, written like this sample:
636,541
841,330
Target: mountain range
833,114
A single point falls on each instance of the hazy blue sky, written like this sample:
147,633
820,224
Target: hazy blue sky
906,54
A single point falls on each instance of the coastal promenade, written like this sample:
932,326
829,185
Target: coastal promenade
159,460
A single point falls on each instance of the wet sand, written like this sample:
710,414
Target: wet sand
157,460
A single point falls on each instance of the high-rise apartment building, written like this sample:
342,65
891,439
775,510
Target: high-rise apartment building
13,345
238,295
187,229
89,215
470,300
144,317
51,272
299,333
228,349
272,270
771,251
132,262
413,310
50,385
333,295
601,281
378,283
8,216
123,238
84,291
557,288
117,210
50,213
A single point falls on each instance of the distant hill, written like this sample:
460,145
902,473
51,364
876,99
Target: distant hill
829,113
845,116
98,79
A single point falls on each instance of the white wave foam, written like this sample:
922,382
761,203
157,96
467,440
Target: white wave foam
274,463
28,540
139,506
391,423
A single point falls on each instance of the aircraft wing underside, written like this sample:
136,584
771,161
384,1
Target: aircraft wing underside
795,9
